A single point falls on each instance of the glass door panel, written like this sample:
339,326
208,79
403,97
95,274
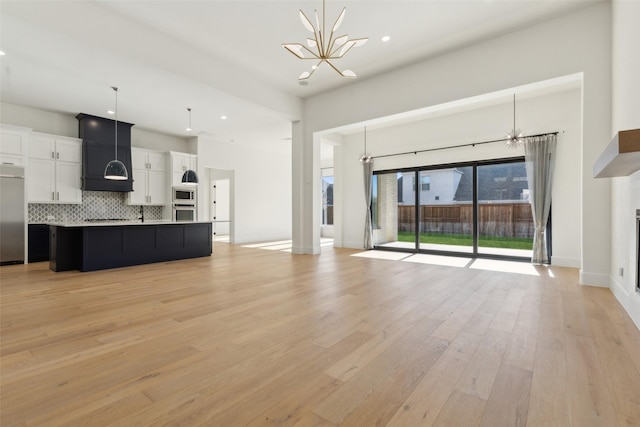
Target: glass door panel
505,222
392,207
446,209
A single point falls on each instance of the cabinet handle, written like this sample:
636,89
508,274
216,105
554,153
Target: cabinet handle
53,195
58,196
58,155
53,154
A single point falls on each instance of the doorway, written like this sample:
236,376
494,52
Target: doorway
220,199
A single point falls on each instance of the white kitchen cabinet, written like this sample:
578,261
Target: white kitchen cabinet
181,162
149,178
13,145
54,169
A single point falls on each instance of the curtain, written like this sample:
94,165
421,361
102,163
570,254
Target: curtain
367,167
539,155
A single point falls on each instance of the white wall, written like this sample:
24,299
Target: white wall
575,43
67,125
39,120
261,189
625,196
555,112
143,138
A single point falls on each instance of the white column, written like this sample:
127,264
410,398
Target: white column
307,191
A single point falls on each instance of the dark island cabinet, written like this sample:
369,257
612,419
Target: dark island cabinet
111,246
38,242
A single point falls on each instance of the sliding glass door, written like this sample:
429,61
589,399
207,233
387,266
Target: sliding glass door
475,209
446,209
505,222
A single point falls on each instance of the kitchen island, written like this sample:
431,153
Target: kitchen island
89,246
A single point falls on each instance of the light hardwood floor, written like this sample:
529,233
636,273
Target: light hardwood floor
252,337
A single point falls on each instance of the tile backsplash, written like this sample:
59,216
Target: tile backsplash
95,205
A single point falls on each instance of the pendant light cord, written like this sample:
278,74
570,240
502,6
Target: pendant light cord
116,121
514,113
365,140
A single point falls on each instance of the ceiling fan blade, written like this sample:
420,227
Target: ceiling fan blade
305,21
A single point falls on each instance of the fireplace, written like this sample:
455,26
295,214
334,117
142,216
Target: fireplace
638,250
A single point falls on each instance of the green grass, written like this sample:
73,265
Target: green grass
466,240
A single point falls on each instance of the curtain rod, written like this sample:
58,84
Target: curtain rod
472,144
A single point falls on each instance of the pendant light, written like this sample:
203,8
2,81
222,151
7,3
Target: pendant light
116,170
515,137
189,177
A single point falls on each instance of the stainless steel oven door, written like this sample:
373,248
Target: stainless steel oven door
184,213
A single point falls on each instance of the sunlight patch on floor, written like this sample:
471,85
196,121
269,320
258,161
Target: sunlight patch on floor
266,245
285,245
453,261
394,256
504,266
448,261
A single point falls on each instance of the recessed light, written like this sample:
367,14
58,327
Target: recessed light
385,38
223,117
188,129
110,112
1,52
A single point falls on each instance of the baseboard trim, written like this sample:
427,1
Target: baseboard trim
594,279
353,245
566,262
627,300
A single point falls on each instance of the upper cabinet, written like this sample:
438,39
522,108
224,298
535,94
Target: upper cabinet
149,177
53,171
180,163
13,145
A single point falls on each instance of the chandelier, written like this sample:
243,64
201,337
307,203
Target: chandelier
322,48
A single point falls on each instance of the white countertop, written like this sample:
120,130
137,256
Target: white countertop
122,223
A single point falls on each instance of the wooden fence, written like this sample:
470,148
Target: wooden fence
494,219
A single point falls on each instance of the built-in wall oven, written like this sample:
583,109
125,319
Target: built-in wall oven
184,204
184,212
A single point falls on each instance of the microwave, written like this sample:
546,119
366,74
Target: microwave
184,195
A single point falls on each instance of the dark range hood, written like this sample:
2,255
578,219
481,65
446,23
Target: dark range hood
98,149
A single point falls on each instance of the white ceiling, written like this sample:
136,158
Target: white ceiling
223,57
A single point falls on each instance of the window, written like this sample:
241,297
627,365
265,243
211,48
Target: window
425,183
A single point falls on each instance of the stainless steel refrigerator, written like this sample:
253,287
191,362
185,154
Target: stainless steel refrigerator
12,214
